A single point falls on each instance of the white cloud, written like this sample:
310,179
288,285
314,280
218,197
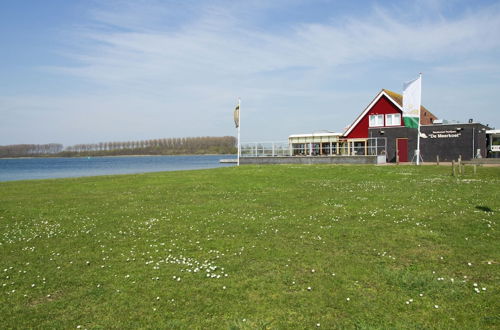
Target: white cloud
186,65
215,46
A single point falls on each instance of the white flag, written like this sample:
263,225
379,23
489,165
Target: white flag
412,96
236,115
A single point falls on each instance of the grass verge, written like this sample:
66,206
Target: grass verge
253,247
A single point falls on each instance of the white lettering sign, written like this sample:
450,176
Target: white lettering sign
444,134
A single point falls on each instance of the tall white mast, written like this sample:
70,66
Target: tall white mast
419,117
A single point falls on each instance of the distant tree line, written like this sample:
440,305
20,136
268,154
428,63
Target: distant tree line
30,150
168,146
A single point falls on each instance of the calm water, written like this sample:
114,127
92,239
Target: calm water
45,168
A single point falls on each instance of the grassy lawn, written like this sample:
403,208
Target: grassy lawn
254,247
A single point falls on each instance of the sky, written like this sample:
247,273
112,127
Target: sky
88,71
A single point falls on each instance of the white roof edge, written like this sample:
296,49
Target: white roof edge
315,134
493,131
451,124
375,100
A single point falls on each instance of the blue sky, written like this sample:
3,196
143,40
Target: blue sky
90,71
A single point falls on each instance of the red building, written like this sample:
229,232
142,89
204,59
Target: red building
386,110
379,131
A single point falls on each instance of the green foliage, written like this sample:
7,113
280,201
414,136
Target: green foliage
171,146
253,247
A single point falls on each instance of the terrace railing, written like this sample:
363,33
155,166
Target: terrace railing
265,149
346,147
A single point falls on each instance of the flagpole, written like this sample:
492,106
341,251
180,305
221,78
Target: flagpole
239,125
419,117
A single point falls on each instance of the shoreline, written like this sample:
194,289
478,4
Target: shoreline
110,156
52,168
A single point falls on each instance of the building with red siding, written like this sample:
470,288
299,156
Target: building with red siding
385,110
379,130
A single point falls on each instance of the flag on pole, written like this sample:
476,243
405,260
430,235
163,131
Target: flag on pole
237,116
412,96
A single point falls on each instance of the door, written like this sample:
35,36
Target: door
402,149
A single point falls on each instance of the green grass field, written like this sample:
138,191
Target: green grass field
254,247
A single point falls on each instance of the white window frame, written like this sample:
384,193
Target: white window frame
394,121
376,120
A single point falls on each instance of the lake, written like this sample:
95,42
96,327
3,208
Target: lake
46,168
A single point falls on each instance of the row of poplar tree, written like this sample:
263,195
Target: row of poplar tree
167,146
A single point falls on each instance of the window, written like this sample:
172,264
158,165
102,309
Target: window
393,119
376,120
